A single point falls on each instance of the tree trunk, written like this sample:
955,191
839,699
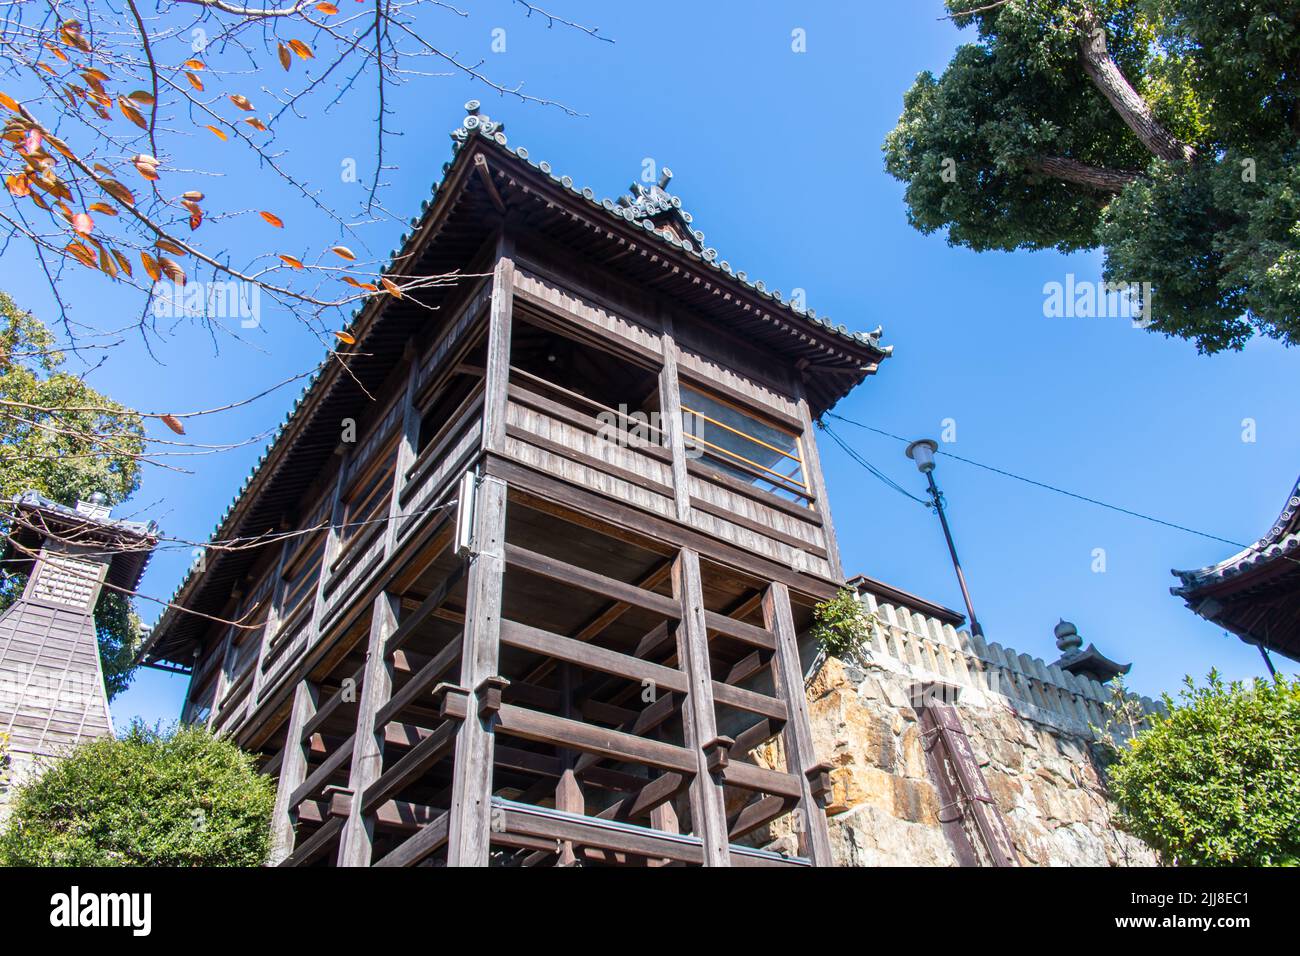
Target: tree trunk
1132,108
1081,174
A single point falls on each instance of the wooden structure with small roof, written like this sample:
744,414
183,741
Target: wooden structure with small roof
1255,594
544,607
52,693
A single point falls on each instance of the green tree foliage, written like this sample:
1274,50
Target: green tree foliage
1166,132
1216,781
64,439
184,798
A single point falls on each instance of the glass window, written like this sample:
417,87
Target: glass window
199,707
724,437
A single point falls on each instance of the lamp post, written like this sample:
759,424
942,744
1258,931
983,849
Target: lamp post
922,452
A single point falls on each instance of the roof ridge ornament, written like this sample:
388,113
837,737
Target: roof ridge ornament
476,121
653,206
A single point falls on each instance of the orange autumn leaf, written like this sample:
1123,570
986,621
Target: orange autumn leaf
291,261
117,191
18,185
131,113
302,49
146,166
141,97
360,285
122,262
172,270
166,245
151,266
242,101
344,252
103,207
327,8
346,338
8,102
391,287
194,81
174,423
195,65
286,60
272,218
257,124
192,195
217,133
82,254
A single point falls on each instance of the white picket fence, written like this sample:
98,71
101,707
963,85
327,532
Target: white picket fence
925,649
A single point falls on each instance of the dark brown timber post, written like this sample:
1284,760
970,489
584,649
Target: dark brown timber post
293,771
471,798
368,742
708,812
814,840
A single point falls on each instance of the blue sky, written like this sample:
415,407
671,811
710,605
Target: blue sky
777,155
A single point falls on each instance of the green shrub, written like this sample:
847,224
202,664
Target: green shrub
842,625
1216,781
181,798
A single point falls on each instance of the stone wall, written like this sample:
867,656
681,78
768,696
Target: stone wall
1030,732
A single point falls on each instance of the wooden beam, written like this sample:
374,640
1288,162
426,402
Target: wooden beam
315,845
423,681
428,839
758,813
471,811
561,732
700,725
800,755
355,845
599,584
591,657
412,766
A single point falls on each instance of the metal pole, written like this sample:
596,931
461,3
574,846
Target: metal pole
1268,661
956,563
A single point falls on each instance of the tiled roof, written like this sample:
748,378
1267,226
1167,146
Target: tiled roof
1282,540
648,206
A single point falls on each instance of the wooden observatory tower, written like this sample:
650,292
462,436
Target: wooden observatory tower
51,684
551,542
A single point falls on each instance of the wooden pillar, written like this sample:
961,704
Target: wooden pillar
293,771
670,403
331,551
406,452
568,792
787,675
700,724
816,481
272,623
497,373
368,742
471,797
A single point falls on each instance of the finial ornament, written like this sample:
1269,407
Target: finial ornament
1068,640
